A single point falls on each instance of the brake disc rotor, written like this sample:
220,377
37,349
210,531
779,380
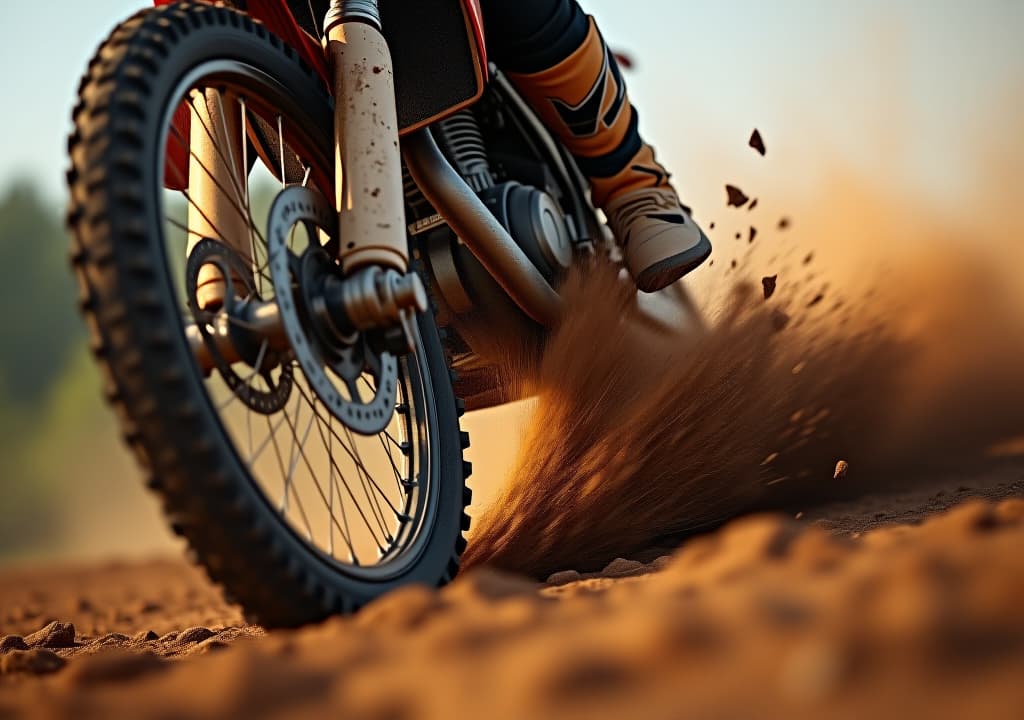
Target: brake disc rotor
292,206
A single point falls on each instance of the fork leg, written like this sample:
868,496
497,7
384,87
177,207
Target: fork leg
217,186
368,163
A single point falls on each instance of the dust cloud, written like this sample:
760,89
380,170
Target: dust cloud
888,341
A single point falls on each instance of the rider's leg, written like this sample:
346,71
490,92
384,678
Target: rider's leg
556,58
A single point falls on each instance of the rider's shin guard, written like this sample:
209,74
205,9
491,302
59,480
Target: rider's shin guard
563,68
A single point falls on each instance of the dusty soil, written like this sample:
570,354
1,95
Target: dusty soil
875,606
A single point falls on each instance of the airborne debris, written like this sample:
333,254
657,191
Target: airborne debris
753,204
753,234
757,142
737,198
809,259
817,299
769,283
779,320
784,223
842,467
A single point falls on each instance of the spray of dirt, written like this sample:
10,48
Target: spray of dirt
639,435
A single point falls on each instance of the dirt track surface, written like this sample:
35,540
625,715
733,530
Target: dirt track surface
766,616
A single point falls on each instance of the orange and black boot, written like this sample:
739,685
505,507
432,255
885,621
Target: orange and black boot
557,59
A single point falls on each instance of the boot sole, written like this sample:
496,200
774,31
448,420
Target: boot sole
665,272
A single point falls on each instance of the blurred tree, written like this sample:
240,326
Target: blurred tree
37,290
40,335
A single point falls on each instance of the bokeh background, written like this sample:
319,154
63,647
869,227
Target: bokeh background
884,119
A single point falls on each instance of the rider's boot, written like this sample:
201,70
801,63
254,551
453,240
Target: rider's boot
568,75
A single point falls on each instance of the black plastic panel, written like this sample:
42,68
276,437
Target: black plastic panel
433,54
431,47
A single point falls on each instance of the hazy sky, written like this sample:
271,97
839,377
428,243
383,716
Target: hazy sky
892,85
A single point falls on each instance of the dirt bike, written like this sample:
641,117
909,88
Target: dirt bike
296,251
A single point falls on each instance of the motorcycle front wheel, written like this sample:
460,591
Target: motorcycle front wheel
295,512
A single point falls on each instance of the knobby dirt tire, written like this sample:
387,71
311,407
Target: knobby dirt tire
135,331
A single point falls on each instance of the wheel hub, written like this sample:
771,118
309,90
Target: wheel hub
339,330
232,323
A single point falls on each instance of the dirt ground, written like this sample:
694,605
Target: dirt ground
887,606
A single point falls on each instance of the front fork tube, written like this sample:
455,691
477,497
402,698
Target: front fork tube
368,167
373,249
217,186
368,163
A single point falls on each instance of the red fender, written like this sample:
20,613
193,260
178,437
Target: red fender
278,18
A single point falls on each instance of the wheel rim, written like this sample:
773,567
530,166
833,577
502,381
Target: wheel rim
370,518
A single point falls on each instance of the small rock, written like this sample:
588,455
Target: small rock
769,283
33,662
54,635
621,567
661,562
564,577
12,642
112,639
195,635
842,467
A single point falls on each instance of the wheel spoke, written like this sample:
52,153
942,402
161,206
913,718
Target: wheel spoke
354,457
316,482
